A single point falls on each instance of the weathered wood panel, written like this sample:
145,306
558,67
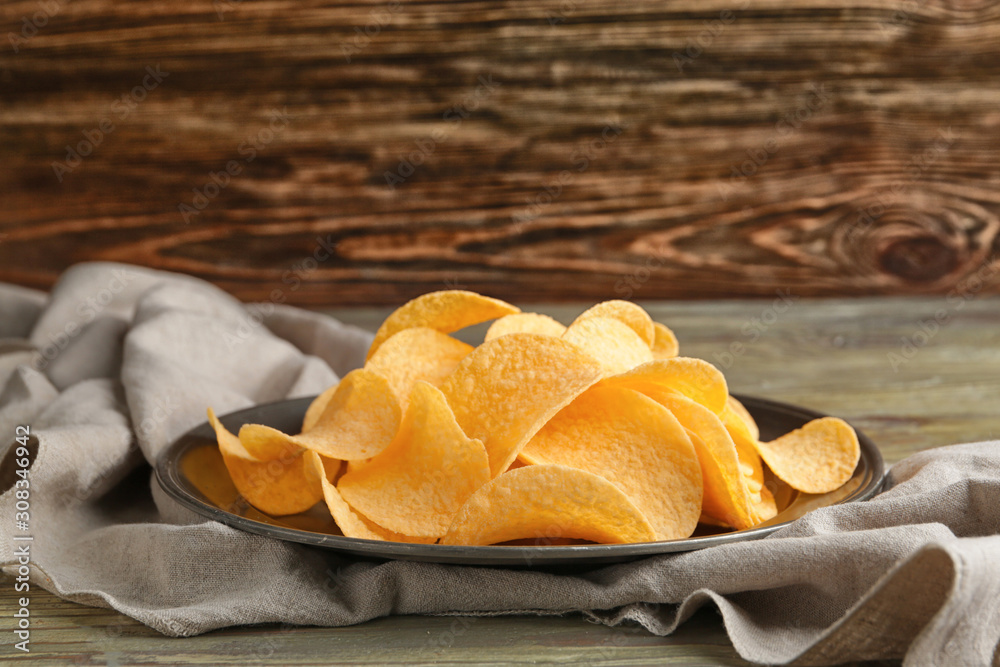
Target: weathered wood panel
546,150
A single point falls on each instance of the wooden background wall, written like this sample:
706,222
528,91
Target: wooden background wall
548,149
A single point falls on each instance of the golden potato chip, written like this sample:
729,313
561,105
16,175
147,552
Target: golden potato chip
817,458
548,501
508,387
446,311
332,468
726,496
416,354
525,323
627,313
698,380
418,483
316,408
767,508
278,486
665,342
613,343
746,447
517,463
633,442
360,421
736,408
350,523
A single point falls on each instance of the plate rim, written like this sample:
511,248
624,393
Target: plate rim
169,478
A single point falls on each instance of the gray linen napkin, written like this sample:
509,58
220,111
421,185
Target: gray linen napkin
119,361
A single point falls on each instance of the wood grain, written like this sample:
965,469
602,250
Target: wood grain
65,633
695,149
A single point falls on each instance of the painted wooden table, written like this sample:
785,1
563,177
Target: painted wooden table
913,373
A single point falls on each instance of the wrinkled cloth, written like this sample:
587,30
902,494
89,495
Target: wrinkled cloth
118,361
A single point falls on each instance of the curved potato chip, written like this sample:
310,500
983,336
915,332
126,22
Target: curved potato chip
726,496
746,447
627,313
316,408
697,379
665,344
549,501
767,508
332,468
360,421
633,442
817,458
278,487
517,463
419,482
736,408
446,311
416,354
508,387
612,342
350,523
525,323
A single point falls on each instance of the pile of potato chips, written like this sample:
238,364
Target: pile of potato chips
597,431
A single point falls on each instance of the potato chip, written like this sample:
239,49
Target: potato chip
548,501
360,421
737,409
350,523
508,387
316,408
698,380
416,354
525,323
613,343
446,311
817,458
767,508
746,447
419,482
627,313
633,442
332,469
277,486
726,496
665,344
517,463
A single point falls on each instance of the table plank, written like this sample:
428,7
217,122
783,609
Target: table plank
73,634
831,355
